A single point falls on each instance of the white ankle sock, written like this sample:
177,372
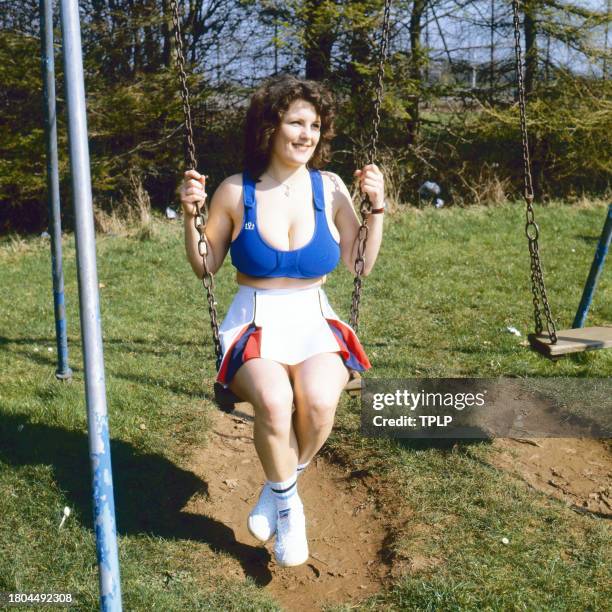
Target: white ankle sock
301,467
285,493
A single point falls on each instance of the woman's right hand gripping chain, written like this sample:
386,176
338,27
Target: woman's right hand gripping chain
192,190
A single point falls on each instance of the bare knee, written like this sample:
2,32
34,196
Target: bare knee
318,410
273,410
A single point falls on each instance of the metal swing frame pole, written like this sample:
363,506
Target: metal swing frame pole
89,308
595,272
63,371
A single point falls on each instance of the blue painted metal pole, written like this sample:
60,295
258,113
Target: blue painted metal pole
63,371
596,268
89,304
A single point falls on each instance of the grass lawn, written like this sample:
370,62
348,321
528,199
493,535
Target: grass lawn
447,284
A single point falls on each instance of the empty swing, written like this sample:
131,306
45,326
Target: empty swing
554,343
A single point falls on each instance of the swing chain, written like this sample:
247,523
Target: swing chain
538,288
373,153
201,215
180,62
365,204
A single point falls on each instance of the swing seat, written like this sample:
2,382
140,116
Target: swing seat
227,400
572,341
353,386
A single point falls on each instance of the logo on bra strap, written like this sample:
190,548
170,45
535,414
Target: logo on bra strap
249,225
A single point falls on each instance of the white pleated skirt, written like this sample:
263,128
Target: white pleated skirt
287,326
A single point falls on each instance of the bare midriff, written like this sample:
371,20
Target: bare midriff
279,283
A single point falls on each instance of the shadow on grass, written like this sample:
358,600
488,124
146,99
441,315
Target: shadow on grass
588,239
144,345
49,361
150,491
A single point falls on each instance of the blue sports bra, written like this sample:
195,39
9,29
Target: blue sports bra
251,255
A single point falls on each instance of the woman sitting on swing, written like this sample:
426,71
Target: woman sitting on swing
286,225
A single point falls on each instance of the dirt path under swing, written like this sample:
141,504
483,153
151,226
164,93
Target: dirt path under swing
349,524
346,533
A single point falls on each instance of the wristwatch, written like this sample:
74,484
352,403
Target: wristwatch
379,211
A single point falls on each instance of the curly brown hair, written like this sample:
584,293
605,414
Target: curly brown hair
268,104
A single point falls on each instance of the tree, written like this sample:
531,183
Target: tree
320,18
416,63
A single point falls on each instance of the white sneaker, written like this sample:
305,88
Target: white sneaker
262,519
291,546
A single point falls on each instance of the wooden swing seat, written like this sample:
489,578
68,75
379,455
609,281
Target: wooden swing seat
227,401
572,341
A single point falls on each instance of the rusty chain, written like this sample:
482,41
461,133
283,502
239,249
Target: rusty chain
538,289
201,215
365,204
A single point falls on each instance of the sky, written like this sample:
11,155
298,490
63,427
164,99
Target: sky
460,26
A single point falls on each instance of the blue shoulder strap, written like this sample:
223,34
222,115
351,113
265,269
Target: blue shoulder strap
317,189
248,188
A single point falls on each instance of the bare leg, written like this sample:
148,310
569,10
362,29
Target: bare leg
266,385
317,385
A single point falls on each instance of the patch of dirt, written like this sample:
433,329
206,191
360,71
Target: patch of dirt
352,518
347,531
577,471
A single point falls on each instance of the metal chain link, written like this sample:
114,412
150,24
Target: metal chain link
365,204
201,216
538,289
